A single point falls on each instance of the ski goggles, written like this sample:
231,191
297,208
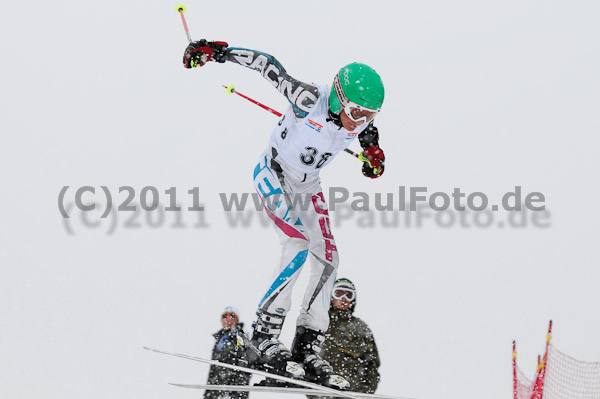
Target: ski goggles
229,316
348,293
357,113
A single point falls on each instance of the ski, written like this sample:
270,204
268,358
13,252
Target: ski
250,388
275,389
306,384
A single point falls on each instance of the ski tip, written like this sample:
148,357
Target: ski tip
182,385
149,349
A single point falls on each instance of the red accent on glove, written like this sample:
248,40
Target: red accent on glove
375,156
204,50
377,159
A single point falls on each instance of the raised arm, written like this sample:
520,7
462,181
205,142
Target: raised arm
302,96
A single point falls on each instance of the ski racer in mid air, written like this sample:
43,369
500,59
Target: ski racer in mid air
320,122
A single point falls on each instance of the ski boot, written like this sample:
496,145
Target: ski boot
271,355
306,350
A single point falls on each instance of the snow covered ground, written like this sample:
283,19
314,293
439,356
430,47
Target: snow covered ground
479,95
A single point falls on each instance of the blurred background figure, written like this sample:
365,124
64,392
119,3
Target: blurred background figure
349,344
226,350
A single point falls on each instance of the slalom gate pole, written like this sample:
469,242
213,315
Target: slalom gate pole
540,380
180,8
231,89
514,364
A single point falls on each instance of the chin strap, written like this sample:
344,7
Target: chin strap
335,118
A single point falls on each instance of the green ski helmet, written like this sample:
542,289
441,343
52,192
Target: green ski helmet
356,85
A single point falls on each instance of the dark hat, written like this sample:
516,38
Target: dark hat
344,283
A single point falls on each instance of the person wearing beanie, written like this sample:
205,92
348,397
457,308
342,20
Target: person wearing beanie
349,343
226,350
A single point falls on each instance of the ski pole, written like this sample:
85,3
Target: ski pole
351,153
231,89
181,10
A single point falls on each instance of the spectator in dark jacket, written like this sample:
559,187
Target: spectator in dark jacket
349,344
226,350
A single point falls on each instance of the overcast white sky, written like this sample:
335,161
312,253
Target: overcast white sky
479,95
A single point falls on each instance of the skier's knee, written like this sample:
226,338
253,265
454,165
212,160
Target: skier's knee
335,260
298,244
326,251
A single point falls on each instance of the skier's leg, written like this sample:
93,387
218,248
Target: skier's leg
313,320
324,265
272,188
278,297
270,184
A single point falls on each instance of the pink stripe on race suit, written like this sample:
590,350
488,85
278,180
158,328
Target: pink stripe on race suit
286,228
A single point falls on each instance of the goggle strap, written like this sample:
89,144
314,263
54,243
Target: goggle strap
337,84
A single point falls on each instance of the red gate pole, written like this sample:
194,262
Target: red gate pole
515,370
538,388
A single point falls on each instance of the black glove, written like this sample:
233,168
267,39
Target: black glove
199,53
